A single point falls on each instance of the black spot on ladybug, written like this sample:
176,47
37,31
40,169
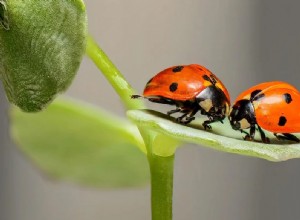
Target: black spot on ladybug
177,69
282,121
210,78
173,87
206,77
258,97
288,98
254,93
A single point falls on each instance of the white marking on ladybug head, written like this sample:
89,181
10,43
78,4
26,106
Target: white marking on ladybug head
244,124
206,104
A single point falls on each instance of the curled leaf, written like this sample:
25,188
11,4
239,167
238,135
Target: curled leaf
41,47
221,137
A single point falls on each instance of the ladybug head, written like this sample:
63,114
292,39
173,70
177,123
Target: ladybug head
213,102
242,115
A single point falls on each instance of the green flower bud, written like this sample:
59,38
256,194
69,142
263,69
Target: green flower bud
41,47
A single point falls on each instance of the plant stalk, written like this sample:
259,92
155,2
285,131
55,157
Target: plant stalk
161,169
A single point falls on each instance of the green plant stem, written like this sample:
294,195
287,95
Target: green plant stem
112,74
161,168
161,186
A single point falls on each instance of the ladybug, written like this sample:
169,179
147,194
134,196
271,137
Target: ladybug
191,88
272,106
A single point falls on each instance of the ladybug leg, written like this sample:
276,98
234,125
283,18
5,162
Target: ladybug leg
189,119
244,132
188,116
250,136
185,119
206,124
291,137
263,136
287,136
181,118
174,111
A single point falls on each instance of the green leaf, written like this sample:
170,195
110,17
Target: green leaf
222,137
75,142
41,47
3,15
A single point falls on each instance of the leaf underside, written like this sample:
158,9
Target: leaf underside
73,142
222,137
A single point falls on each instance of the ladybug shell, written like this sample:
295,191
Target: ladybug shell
181,83
278,110
276,105
255,90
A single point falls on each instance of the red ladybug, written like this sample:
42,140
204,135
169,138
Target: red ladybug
191,88
273,106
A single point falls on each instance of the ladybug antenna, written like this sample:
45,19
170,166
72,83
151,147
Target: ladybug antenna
136,96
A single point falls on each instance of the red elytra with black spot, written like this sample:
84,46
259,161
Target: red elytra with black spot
273,106
191,88
188,78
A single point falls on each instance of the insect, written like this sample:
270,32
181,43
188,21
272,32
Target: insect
191,88
273,106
